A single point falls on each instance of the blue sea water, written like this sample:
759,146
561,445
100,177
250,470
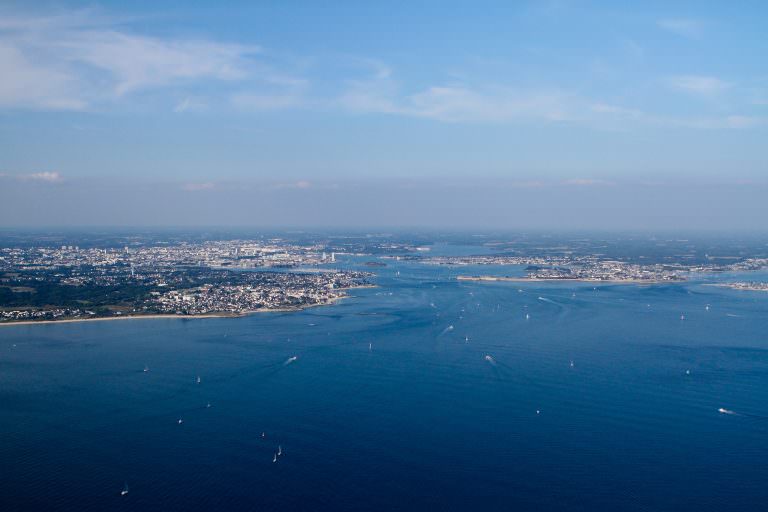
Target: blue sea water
603,399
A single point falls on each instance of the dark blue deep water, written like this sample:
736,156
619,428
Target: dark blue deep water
421,420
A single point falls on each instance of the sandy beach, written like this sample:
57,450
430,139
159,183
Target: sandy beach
182,317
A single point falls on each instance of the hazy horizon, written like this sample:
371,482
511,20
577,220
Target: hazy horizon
536,115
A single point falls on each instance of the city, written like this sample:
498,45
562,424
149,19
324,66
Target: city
212,278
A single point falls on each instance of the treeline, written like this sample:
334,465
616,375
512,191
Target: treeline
58,295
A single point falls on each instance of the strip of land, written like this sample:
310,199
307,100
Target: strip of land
562,279
139,316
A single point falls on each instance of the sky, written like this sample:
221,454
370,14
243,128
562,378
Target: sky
544,114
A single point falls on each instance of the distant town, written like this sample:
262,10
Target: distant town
593,268
187,276
187,279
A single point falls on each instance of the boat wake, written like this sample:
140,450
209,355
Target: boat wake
290,360
447,330
755,417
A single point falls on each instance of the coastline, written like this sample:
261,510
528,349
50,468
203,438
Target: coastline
736,287
156,316
560,280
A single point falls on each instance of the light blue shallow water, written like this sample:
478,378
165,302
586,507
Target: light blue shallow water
419,420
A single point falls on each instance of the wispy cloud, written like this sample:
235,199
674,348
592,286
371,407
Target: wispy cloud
699,85
190,104
257,101
613,113
198,187
44,177
684,27
587,182
83,60
300,184
457,102
71,62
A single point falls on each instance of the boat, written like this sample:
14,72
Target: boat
274,459
181,421
279,450
125,490
198,379
146,369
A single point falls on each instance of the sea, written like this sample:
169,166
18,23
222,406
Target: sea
423,393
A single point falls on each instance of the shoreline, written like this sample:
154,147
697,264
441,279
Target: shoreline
736,287
560,280
156,316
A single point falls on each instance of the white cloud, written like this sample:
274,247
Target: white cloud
71,62
44,177
190,104
458,102
26,84
682,27
254,101
139,62
197,187
301,184
587,182
697,84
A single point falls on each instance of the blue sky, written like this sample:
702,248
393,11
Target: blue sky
203,102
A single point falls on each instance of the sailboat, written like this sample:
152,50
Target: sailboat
125,490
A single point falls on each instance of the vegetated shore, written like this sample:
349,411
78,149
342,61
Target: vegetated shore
151,316
564,280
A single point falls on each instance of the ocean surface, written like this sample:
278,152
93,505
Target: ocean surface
424,393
